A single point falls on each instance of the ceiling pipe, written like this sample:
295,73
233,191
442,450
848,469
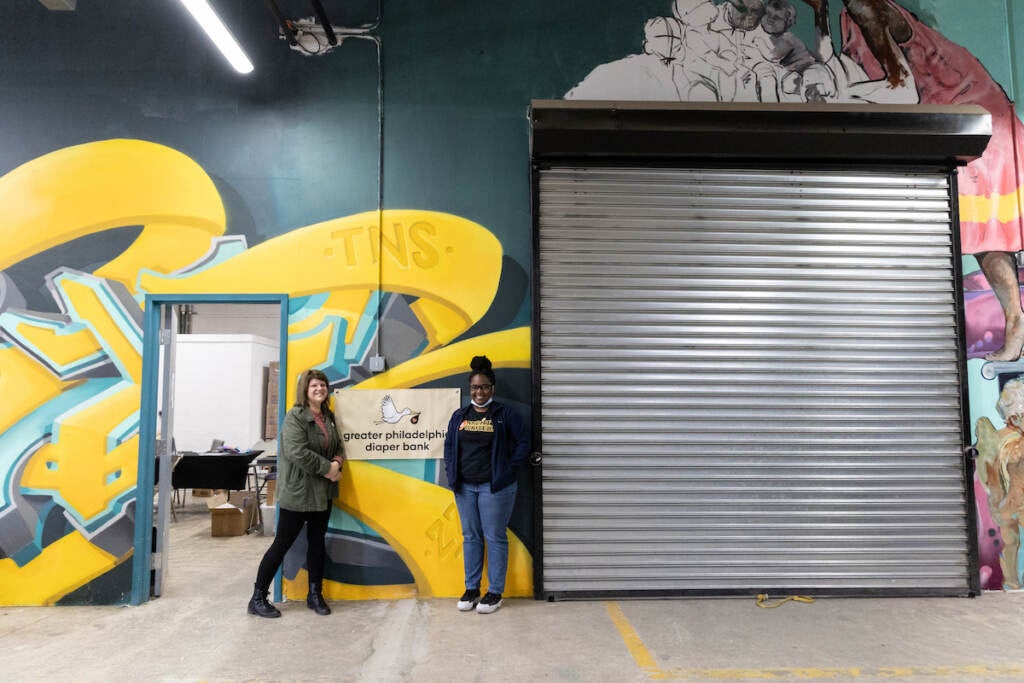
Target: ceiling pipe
325,22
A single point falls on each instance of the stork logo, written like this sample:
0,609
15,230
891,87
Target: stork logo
390,413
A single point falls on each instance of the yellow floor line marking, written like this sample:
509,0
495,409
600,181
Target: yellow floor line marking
901,673
633,643
642,656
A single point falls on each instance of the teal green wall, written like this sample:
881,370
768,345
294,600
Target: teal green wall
295,143
981,27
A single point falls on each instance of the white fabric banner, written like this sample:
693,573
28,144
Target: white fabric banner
381,424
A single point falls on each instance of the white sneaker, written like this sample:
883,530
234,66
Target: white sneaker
489,603
469,600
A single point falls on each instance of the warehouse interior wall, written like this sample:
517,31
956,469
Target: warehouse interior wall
383,187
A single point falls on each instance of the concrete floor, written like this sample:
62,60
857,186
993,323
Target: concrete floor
199,631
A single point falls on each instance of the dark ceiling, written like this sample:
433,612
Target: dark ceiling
340,14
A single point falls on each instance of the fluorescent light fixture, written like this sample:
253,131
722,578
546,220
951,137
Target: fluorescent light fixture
219,34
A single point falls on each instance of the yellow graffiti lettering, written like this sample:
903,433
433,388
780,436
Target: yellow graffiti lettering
77,464
296,589
367,492
22,376
347,305
508,348
89,465
465,252
99,186
394,244
86,300
444,533
398,241
306,352
62,567
426,256
61,346
348,245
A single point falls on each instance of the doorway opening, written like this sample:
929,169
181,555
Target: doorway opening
206,359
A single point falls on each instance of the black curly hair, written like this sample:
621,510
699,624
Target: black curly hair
481,365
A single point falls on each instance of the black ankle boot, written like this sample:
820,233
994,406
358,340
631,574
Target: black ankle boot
315,600
261,606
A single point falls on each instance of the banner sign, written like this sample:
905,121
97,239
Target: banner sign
381,424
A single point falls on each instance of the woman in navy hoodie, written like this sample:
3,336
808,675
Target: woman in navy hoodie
484,448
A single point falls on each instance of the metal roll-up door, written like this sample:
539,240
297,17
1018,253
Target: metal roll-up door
750,382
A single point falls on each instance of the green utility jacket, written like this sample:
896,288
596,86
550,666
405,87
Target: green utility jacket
304,460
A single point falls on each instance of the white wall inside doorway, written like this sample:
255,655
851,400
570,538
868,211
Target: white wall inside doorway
219,389
258,319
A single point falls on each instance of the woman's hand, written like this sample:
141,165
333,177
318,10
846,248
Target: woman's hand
335,472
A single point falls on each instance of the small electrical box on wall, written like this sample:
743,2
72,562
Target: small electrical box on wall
376,363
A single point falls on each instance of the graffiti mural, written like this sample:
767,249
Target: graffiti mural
69,447
90,229
744,51
1001,472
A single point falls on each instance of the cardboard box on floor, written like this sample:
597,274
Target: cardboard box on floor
232,518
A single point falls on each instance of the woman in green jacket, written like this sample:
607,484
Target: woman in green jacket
308,469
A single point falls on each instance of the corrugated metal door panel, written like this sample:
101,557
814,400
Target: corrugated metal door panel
749,382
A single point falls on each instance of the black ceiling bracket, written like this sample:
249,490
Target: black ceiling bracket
286,27
321,15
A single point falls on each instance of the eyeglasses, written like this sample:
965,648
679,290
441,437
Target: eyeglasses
481,387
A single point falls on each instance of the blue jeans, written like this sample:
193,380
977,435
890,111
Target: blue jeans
484,517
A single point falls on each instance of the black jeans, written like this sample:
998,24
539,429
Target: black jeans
289,524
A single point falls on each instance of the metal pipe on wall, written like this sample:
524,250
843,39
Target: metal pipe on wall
380,161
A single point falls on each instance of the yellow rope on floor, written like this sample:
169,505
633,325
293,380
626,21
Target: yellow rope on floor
762,600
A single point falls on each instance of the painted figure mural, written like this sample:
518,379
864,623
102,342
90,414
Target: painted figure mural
743,51
1001,471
